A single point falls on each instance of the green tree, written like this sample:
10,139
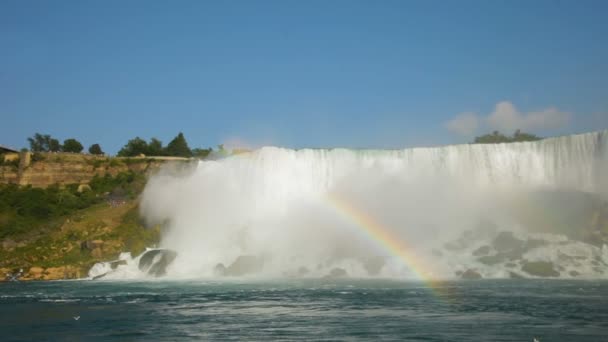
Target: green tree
155,148
72,145
201,153
497,137
133,148
95,149
178,147
43,143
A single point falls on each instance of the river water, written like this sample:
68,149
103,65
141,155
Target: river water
310,309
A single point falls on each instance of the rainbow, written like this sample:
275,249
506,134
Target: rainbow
384,238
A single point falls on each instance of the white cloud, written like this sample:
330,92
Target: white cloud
463,124
507,118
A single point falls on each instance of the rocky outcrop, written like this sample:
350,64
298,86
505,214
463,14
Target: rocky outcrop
243,265
540,268
154,262
470,275
71,168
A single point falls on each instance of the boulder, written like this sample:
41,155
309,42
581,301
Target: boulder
491,259
36,270
219,269
114,264
540,268
337,272
302,271
245,264
470,274
506,241
481,251
574,273
374,265
97,253
155,261
514,275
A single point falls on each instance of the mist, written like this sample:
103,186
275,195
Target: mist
276,204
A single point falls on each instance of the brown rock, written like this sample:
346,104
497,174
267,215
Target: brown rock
96,253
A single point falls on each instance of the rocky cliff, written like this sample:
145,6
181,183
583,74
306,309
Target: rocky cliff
44,169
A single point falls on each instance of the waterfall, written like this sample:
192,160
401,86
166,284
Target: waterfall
273,203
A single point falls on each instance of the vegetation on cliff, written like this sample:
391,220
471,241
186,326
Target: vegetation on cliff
71,227
497,137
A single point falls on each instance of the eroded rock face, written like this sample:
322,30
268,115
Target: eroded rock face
245,264
155,261
506,241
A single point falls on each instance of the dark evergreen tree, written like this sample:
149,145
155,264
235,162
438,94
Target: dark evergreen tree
178,147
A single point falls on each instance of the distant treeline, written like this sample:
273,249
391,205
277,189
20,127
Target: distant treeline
178,147
497,137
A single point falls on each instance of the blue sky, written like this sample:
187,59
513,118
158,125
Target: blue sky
378,74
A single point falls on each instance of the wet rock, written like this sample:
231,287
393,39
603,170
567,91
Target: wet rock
219,269
337,272
374,265
245,264
155,261
491,259
114,264
482,251
302,271
534,243
510,265
470,274
574,273
540,268
506,241
514,275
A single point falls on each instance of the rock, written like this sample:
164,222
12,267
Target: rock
302,271
481,251
219,269
534,243
8,244
155,261
245,264
96,253
91,244
539,268
506,241
514,275
374,265
510,265
491,259
471,274
83,187
35,273
574,273
114,264
337,272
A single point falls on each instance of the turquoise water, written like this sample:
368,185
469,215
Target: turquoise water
501,310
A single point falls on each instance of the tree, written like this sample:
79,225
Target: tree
133,148
497,137
155,148
43,143
178,147
201,153
95,149
72,145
